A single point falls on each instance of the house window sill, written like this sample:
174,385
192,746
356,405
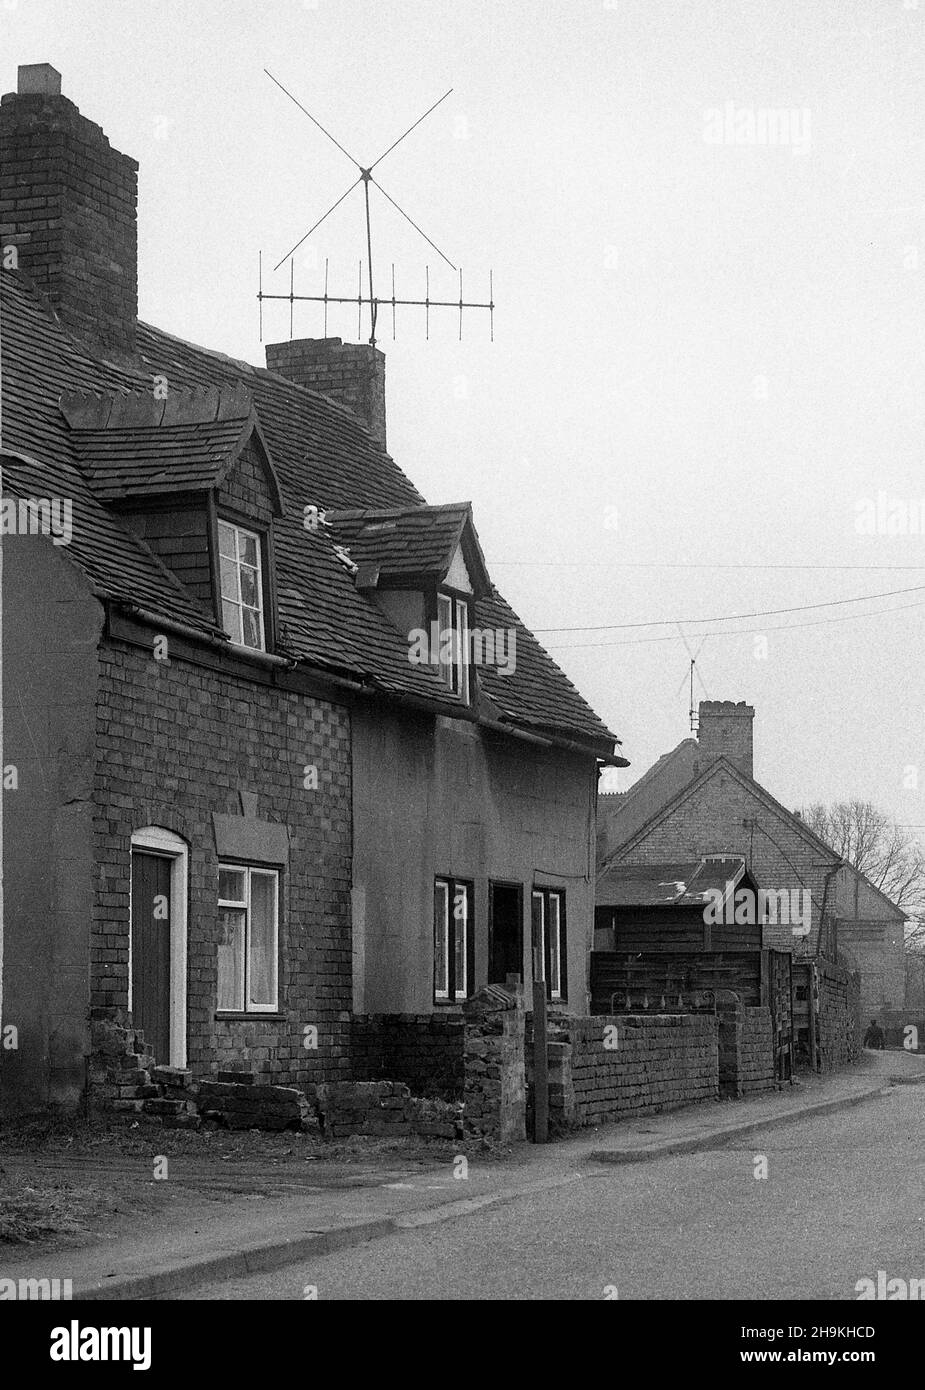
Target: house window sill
230,1016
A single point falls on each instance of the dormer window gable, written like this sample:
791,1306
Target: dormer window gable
424,568
196,483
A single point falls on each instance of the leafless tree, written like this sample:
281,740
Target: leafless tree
886,853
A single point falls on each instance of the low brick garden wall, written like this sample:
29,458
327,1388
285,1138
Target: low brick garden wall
424,1051
605,1067
385,1109
746,1048
756,1056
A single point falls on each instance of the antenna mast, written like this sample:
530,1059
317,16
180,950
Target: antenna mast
365,176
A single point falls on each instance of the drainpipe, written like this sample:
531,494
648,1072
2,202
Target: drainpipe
825,896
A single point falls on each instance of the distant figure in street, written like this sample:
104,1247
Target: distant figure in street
874,1036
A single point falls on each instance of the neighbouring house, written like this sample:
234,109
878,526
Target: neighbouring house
278,757
702,799
914,1001
871,938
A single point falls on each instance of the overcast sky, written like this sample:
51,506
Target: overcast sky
709,348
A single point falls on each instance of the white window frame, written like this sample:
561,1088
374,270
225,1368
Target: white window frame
554,932
453,616
155,839
237,602
451,888
554,984
249,870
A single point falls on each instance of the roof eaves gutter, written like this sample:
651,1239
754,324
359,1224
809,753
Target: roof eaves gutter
553,741
148,616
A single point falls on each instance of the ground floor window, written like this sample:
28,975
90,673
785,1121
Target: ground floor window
248,951
454,957
549,942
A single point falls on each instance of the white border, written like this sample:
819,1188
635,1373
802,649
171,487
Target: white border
160,841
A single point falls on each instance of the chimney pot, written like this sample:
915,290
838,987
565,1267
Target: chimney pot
38,79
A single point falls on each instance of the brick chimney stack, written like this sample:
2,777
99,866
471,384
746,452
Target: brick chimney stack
725,729
352,373
68,202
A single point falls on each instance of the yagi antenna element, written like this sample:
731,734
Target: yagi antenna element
365,177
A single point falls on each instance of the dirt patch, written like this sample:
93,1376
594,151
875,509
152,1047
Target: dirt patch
105,1137
55,1210
70,1181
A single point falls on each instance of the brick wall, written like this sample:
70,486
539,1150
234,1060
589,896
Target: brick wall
385,1109
605,1067
68,201
352,373
756,1056
176,743
725,728
840,1025
425,1051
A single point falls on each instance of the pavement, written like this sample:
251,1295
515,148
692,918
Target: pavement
254,1233
826,1207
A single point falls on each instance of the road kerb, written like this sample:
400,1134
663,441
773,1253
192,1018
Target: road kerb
716,1138
234,1264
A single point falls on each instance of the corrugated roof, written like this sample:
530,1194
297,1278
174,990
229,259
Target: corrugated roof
676,884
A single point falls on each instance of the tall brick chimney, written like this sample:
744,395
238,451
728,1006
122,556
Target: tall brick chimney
68,202
725,729
352,373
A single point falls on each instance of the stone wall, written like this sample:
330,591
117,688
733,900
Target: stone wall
424,1051
605,1067
495,1080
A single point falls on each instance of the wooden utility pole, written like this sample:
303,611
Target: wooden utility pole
540,1062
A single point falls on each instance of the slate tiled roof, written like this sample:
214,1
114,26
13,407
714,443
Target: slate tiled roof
125,463
683,884
323,457
402,541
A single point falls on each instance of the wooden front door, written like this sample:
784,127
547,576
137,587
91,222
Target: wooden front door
151,950
505,932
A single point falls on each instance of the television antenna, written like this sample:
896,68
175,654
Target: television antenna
692,711
370,299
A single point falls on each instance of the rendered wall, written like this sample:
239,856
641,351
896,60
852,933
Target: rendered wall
441,797
51,626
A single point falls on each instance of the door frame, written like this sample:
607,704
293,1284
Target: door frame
155,839
506,883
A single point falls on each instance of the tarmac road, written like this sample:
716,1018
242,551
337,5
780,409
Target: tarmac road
844,1197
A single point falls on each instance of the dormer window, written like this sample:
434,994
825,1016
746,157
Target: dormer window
453,643
241,569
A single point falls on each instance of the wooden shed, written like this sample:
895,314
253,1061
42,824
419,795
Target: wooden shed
707,904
